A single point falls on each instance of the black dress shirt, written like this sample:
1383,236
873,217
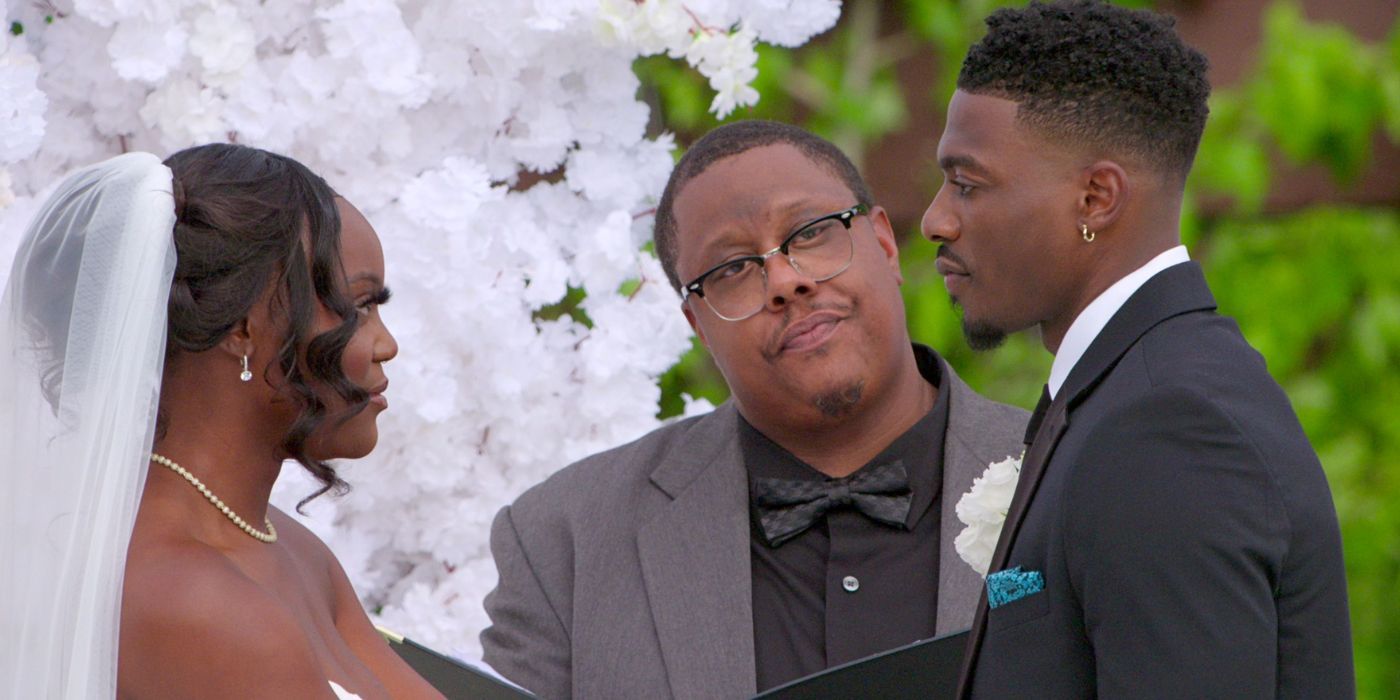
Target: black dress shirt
848,587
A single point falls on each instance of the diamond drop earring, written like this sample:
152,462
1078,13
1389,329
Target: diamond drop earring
245,375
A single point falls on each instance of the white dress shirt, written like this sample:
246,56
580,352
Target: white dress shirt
1095,316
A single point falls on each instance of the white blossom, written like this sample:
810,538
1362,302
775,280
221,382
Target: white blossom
146,51
22,105
500,151
730,62
372,33
7,195
184,114
448,198
224,43
791,22
649,27
108,12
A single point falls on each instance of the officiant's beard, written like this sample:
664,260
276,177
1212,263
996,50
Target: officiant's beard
839,403
980,335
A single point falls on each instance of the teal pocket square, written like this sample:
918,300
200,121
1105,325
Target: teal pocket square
1011,585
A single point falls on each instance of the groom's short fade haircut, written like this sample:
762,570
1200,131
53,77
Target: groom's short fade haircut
731,140
1091,74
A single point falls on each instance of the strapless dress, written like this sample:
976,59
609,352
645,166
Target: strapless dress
341,693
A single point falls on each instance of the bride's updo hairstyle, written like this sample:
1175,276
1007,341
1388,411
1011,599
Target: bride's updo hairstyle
247,219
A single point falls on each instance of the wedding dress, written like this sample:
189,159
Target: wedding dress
341,693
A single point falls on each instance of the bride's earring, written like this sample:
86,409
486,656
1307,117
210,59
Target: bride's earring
1086,234
245,375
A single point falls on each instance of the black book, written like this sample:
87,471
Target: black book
922,670
454,679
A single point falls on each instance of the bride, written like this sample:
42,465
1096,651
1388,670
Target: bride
171,333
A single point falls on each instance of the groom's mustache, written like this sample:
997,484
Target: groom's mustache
947,254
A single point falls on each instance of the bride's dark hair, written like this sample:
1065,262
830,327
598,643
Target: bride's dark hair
247,219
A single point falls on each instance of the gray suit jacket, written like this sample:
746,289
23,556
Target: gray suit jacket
626,575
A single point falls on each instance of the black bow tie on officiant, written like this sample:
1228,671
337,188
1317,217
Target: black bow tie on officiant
786,507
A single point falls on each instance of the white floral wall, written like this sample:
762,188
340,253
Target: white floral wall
424,113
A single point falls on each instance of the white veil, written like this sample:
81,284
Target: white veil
82,340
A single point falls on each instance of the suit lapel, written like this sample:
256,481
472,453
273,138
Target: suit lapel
1174,291
1052,427
1048,435
695,564
965,455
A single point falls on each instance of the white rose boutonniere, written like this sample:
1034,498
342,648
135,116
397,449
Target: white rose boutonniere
983,510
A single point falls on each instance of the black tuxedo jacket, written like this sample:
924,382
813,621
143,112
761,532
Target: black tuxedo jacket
1180,519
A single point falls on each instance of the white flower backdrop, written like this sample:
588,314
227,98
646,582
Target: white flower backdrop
425,114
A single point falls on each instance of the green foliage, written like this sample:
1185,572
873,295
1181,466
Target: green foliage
16,28
1317,96
693,376
950,28
681,95
1320,95
1233,159
571,305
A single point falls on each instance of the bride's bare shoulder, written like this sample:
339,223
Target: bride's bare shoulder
304,545
194,625
186,579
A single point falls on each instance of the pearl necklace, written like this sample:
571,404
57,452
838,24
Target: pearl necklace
269,536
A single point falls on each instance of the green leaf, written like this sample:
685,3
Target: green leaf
1318,92
570,306
1233,165
938,21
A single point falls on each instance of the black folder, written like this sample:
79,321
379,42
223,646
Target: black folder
923,670
454,679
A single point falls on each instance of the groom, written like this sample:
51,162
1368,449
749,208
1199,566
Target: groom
807,522
1172,533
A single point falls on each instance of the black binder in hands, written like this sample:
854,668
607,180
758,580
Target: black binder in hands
923,670
454,679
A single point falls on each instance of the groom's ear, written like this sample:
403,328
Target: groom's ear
1105,188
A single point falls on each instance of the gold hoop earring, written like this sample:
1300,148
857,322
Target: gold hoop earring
245,375
1086,233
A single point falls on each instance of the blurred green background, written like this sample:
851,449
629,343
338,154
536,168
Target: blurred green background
1293,209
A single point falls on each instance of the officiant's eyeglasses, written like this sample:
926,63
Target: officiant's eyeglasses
738,288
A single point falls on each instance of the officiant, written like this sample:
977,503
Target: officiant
806,522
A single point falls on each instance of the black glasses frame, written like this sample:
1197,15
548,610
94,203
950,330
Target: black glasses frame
696,286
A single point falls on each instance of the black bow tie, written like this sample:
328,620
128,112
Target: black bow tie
786,507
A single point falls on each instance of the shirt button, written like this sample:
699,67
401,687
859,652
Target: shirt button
851,584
